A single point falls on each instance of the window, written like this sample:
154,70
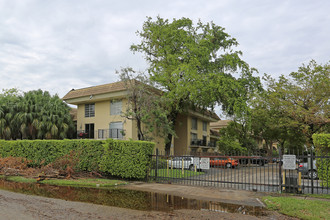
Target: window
204,126
115,107
101,133
90,110
194,123
193,138
116,130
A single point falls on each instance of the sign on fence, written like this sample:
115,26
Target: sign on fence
205,163
289,162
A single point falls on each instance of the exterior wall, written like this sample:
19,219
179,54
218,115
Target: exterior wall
181,145
199,130
183,129
103,119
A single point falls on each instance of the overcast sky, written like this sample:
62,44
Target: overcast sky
57,45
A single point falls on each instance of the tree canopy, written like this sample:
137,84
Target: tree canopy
34,114
287,112
303,98
195,65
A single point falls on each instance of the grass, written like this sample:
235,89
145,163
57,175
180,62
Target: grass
299,207
321,196
81,182
175,173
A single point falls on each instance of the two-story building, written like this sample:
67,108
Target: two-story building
100,116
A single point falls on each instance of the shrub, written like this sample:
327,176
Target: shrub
127,159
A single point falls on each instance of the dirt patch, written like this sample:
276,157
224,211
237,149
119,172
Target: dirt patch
60,169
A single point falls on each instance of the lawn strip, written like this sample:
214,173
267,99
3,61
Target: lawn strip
81,182
298,207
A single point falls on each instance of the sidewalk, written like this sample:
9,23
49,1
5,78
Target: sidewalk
239,197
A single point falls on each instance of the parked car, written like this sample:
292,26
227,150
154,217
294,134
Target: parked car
188,162
261,161
305,169
224,162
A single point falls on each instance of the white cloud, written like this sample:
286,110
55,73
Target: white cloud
60,45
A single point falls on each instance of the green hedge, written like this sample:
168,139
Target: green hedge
127,159
47,151
322,147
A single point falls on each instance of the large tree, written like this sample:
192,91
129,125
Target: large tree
195,65
303,98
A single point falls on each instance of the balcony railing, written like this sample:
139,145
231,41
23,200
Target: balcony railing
202,143
101,134
110,133
198,142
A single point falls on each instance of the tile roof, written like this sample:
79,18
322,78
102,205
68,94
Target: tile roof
95,90
120,86
220,123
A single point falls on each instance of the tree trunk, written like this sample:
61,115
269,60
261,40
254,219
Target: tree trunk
140,133
172,117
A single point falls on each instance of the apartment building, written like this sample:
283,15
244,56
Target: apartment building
100,116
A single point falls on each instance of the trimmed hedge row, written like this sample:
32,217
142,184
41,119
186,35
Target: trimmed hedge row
322,148
126,159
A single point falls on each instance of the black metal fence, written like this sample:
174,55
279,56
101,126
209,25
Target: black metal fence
252,171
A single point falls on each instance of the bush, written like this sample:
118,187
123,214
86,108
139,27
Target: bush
322,148
43,152
127,159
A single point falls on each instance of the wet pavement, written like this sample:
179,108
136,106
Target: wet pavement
137,198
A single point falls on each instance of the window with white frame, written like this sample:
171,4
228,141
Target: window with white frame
89,110
115,107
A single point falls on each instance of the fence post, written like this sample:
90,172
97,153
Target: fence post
312,170
280,168
156,170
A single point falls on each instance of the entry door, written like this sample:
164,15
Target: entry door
89,129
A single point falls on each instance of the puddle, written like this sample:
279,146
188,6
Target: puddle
124,198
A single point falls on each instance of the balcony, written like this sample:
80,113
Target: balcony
198,142
202,143
101,134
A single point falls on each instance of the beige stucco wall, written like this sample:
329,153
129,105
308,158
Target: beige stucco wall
181,144
199,130
183,131
103,118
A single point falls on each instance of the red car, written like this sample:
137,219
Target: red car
223,162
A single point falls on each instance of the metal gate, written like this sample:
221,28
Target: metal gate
254,171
